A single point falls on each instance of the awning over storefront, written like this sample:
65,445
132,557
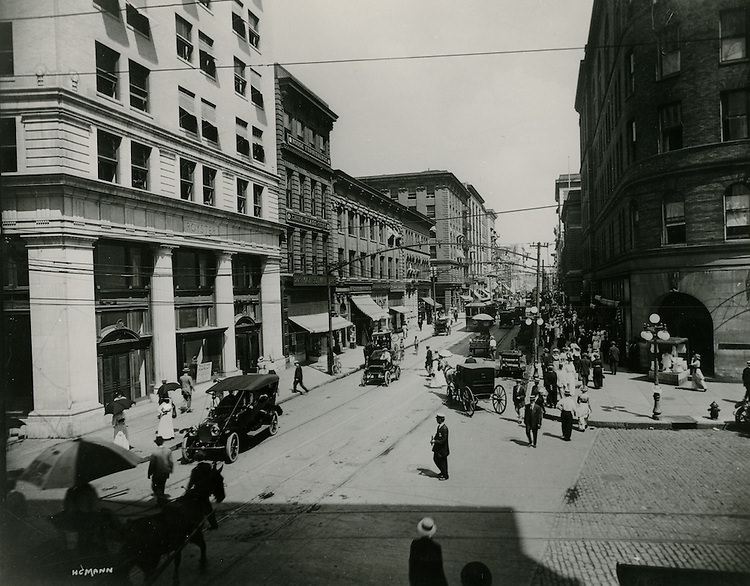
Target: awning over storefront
606,302
431,301
367,305
400,309
467,298
476,304
318,322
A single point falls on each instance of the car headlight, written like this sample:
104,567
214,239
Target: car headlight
193,431
215,431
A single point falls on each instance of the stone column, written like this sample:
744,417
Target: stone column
224,302
63,337
163,317
270,304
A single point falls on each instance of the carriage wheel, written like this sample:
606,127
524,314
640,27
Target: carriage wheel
499,399
186,455
232,447
398,372
387,378
468,401
273,427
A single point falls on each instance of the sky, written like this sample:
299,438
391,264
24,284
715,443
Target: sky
506,123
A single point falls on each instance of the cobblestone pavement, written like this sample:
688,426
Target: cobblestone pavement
653,497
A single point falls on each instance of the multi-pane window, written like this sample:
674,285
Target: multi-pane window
669,51
290,250
106,70
734,34
352,224
670,127
242,195
253,27
352,265
257,200
313,197
8,146
735,106
256,97
205,55
138,20
302,194
139,157
6,48
363,227
373,228
138,86
737,210
259,153
209,185
341,219
289,189
108,151
240,81
187,179
184,38
243,145
188,119
238,25
340,262
208,122
324,202
674,219
314,257
303,252
111,7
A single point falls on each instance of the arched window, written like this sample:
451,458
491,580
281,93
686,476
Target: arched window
674,219
737,211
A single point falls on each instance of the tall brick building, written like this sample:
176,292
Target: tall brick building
663,97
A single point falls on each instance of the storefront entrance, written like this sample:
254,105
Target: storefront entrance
686,317
247,341
122,360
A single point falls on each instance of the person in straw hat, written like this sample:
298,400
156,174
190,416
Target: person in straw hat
426,557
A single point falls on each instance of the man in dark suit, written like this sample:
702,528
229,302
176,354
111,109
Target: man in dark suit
428,360
440,449
298,378
746,380
426,557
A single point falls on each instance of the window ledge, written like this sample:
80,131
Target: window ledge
109,99
734,61
186,62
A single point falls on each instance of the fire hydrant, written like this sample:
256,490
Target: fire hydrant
713,410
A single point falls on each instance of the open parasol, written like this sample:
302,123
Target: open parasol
483,317
118,405
77,461
445,353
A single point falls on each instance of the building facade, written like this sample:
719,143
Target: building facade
568,241
382,260
304,125
139,208
461,231
663,97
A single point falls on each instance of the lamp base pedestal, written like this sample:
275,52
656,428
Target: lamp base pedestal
656,415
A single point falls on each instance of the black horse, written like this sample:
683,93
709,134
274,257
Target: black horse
180,522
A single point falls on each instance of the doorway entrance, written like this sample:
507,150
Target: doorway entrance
686,317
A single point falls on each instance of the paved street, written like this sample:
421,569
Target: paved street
335,497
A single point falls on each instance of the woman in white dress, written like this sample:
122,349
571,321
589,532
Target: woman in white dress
165,413
438,376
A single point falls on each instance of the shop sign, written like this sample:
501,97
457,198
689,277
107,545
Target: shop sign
297,218
303,280
203,372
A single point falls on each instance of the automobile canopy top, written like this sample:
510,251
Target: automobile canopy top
244,382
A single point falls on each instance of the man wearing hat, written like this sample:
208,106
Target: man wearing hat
746,380
186,382
440,449
426,557
298,378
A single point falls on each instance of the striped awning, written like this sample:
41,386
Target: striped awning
318,322
367,305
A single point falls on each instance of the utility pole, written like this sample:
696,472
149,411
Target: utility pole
330,318
536,303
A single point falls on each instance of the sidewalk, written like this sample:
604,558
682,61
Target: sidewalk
142,421
625,401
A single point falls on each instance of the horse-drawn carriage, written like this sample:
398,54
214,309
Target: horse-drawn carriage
381,366
242,405
471,381
512,363
442,325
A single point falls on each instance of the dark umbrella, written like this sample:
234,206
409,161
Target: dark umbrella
169,387
78,461
118,405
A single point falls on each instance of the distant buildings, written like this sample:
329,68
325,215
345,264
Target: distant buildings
568,242
663,97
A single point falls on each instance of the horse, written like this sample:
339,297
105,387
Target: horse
147,539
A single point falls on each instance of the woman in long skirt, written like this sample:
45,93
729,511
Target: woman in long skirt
165,415
699,382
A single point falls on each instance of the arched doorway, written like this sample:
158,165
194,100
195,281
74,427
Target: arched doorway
247,342
687,317
122,357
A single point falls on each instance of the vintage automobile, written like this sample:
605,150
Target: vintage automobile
241,406
512,363
479,345
381,368
382,340
510,317
442,326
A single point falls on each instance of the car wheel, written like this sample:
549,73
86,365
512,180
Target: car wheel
232,447
273,427
186,455
387,379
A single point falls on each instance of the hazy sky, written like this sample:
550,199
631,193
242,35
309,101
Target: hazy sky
505,123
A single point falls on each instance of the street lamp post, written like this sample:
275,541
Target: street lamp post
652,332
537,321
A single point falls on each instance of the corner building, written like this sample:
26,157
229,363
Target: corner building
139,208
663,96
